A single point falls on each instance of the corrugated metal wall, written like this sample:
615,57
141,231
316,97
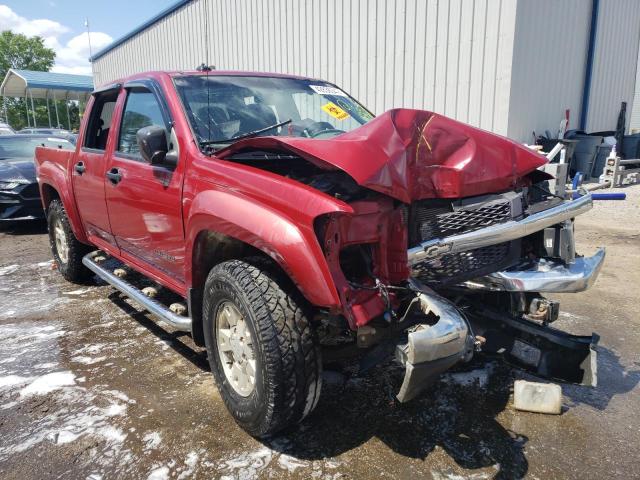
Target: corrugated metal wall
634,125
510,66
549,59
450,56
614,63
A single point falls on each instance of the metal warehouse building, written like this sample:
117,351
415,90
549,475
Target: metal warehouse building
510,66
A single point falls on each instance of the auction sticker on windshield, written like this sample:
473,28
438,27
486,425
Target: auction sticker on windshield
335,111
327,90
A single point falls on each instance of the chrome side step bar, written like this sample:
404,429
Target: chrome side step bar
176,321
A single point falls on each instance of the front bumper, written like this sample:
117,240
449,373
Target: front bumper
432,349
545,276
21,203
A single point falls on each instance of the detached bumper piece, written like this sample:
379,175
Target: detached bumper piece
541,350
432,349
545,275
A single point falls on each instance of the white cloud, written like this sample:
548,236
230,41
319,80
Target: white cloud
9,20
72,56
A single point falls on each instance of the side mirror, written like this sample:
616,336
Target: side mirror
152,141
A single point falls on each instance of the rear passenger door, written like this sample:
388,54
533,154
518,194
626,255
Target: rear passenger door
88,171
144,200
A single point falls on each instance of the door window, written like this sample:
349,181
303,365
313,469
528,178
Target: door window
141,110
100,120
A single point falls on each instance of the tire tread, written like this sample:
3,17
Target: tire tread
287,338
74,271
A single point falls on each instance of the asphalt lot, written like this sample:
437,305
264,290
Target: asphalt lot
92,388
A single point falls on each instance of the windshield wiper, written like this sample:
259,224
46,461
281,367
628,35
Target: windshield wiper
245,135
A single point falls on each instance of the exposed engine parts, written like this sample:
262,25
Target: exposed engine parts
332,182
543,310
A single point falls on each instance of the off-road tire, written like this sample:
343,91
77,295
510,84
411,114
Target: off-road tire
72,270
288,365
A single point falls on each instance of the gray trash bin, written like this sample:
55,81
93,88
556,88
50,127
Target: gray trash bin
600,160
585,153
631,146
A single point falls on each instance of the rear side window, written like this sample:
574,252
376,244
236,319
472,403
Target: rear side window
142,110
100,120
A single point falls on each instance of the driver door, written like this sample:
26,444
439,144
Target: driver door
144,200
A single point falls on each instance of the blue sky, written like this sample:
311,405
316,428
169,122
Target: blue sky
61,24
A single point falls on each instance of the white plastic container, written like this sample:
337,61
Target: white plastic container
537,397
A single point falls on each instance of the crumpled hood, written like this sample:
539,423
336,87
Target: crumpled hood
18,169
414,154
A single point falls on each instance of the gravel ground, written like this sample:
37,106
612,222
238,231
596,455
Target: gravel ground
92,388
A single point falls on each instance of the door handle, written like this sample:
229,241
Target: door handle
114,176
79,168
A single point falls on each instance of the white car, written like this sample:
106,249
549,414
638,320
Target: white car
5,129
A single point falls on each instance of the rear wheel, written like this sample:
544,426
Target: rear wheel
66,249
261,347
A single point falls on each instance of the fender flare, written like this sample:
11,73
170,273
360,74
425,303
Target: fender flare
292,244
55,179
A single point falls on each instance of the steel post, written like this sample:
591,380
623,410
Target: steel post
46,98
33,110
55,105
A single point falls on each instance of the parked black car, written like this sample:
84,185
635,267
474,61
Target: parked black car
19,193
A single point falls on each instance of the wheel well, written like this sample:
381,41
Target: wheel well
209,249
48,195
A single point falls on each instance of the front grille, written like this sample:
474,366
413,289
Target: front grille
468,220
430,219
454,268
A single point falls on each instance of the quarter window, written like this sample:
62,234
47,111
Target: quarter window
141,110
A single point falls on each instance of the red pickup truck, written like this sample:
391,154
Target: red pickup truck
283,225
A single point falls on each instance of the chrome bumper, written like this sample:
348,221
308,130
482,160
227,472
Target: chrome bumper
545,276
432,349
500,233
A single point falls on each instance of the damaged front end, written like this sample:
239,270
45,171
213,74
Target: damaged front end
505,305
448,246
472,278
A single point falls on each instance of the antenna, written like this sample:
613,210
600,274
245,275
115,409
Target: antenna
207,69
206,32
86,25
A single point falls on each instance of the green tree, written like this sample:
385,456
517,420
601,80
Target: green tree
24,53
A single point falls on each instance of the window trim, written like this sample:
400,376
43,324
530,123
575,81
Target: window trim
154,88
95,94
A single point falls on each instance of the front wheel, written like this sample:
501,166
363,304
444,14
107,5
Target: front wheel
261,347
66,249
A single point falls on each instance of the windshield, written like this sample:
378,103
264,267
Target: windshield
223,108
12,147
